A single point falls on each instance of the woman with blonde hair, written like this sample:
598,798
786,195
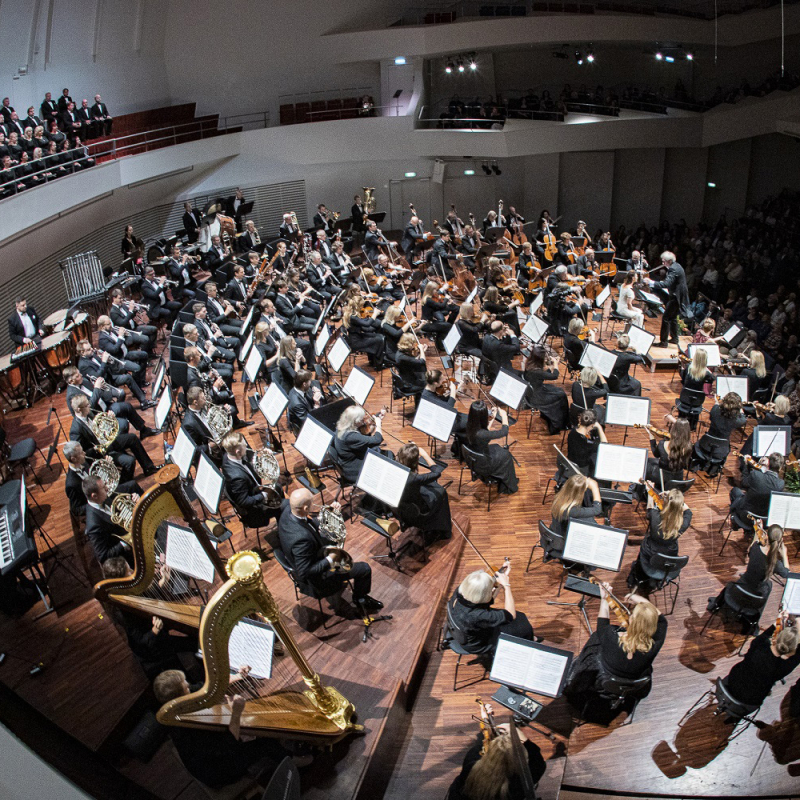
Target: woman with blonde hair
411,364
705,333
472,327
393,327
494,774
696,374
363,333
290,361
571,502
758,380
586,391
438,312
778,415
265,345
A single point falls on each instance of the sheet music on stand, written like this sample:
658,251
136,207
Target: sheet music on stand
535,328
598,357
208,483
771,439
383,478
251,644
595,545
313,441
714,357
732,383
452,339
790,602
337,355
784,510
530,666
536,303
253,364
641,340
620,464
244,350
182,453
358,385
651,298
273,403
162,408
185,554
321,342
471,295
158,378
508,389
623,409
733,335
248,319
600,300
435,418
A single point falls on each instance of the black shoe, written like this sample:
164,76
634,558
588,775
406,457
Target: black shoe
145,404
538,638
147,432
713,605
143,385
241,423
661,344
151,470
368,603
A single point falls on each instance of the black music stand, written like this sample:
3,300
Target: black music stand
582,586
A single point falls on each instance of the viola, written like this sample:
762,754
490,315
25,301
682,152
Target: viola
655,431
657,499
754,464
488,726
621,613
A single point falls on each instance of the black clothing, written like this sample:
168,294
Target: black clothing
499,462
755,578
755,500
696,385
582,452
619,381
550,400
584,512
412,371
104,535
675,293
715,445
244,489
16,330
477,626
614,658
73,487
499,351
351,451
364,335
425,503
299,406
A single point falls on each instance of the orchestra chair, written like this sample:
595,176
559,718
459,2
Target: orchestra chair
400,392
689,405
448,640
737,523
573,368
616,321
527,406
20,453
343,483
409,517
737,601
552,545
734,710
709,464
665,571
309,591
478,468
245,528
617,692
563,471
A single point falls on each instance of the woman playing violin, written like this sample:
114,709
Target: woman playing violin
437,311
411,364
363,333
394,325
506,312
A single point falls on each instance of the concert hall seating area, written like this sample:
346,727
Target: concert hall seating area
326,110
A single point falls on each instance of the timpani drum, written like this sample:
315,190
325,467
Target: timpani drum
80,327
58,350
10,376
54,323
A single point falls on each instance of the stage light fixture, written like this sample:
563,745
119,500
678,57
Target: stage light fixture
711,185
579,56
473,64
497,170
669,59
590,57
485,168
659,56
460,65
411,174
449,68
399,60
690,57
469,171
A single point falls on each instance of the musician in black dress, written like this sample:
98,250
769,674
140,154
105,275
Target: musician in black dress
394,325
424,503
713,448
696,374
437,312
411,364
573,345
758,380
472,327
578,498
550,400
497,460
671,456
585,392
583,441
363,333
619,381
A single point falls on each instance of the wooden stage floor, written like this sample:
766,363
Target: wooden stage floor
90,680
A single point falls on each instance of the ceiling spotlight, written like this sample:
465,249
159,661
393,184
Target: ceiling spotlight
690,57
497,170
590,57
449,68
469,171
486,169
669,59
659,56
460,65
579,56
472,64
711,185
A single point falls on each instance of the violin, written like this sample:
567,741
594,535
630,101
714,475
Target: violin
488,726
763,407
759,531
754,464
621,613
584,334
657,499
780,624
655,431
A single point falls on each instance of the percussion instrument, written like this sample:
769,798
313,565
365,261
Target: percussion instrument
80,327
11,377
54,322
58,349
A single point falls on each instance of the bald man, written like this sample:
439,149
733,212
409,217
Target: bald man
305,551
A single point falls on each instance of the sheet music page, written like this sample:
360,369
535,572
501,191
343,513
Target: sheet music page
186,554
545,671
208,483
602,297
535,329
244,350
452,339
770,439
434,420
253,364
249,318
732,383
273,403
323,337
511,663
338,354
358,385
250,645
598,357
163,407
641,340
594,545
784,510
620,464
791,593
536,303
471,295
160,372
714,358
182,453
508,389
622,409
651,298
313,441
732,332
383,478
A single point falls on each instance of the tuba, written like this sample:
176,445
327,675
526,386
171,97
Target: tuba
369,201
105,427
266,466
219,421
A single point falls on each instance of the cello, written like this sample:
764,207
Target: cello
549,242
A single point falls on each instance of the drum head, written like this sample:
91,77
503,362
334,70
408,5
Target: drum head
56,318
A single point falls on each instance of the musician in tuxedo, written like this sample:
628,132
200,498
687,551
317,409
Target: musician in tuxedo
233,205
372,239
209,353
303,398
225,346
499,347
289,230
199,374
24,326
110,341
77,472
636,262
192,221
69,122
122,313
413,235
440,252
48,110
84,114
102,119
154,293
468,246
297,313
104,535
322,219
220,311
250,237
244,486
236,290
587,263
15,126
98,366
320,275
6,110
757,487
64,100
32,121
194,423
126,449
179,267
216,254
304,549
357,212
103,397
675,293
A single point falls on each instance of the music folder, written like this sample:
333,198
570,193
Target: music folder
313,441
245,208
182,453
273,403
163,407
712,350
508,389
784,510
598,357
619,464
790,602
383,478
530,666
623,409
435,418
208,483
595,545
338,354
732,383
358,385
771,439
452,339
641,340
